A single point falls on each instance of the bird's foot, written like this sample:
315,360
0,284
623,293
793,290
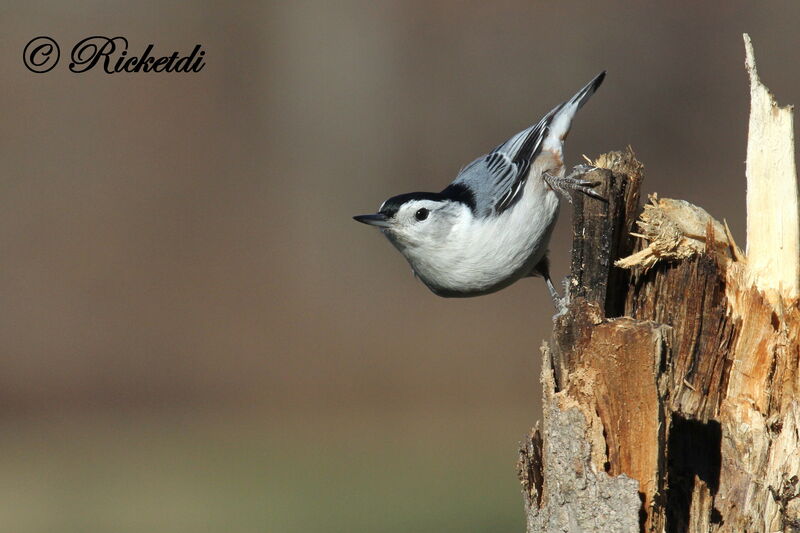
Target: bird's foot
558,301
566,283
573,182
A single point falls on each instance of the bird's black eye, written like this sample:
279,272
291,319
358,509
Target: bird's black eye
421,214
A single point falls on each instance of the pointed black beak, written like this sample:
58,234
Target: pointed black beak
373,220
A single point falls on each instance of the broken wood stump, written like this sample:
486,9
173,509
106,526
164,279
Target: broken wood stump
672,381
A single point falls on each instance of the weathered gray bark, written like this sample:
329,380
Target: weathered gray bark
581,498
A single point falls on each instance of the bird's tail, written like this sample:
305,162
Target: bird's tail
563,114
583,95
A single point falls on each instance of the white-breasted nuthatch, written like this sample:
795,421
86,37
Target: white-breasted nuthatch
491,226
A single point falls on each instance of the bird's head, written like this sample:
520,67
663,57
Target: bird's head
416,219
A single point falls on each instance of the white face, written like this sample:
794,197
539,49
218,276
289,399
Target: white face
421,223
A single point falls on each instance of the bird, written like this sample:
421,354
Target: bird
492,225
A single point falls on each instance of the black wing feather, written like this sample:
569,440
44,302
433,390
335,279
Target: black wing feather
510,162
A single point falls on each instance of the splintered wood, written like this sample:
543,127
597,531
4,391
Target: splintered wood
672,383
676,229
773,235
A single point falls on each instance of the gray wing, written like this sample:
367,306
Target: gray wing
498,178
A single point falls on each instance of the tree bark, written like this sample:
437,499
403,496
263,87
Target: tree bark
671,382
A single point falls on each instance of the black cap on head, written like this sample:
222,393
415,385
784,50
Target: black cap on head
393,204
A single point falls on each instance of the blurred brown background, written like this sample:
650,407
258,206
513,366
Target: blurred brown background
195,336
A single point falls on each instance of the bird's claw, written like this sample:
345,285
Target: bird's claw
562,303
581,169
573,182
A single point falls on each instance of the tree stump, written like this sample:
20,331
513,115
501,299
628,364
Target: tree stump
671,382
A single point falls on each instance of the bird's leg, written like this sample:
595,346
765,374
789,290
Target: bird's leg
557,300
543,269
572,181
